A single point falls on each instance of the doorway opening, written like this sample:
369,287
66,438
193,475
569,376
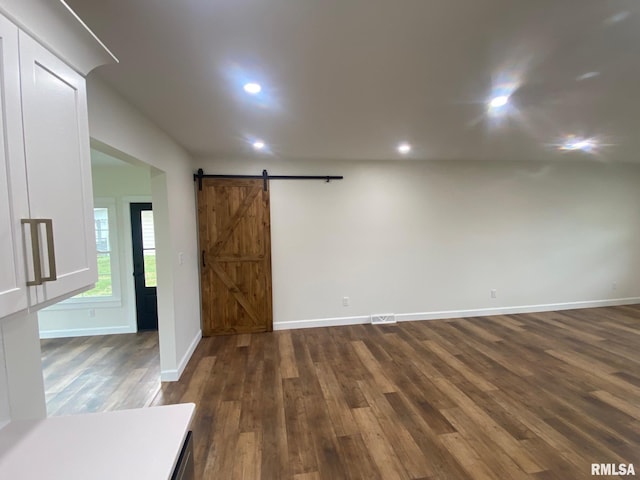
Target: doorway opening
97,354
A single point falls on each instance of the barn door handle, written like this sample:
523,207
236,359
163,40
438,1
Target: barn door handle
204,263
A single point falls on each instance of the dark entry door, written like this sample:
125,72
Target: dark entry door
144,265
235,256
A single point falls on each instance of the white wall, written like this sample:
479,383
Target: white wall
120,183
431,239
121,131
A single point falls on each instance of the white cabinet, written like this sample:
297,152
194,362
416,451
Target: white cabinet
58,165
47,239
13,187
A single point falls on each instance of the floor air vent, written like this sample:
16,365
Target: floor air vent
383,318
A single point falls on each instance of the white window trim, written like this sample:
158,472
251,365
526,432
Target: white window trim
115,299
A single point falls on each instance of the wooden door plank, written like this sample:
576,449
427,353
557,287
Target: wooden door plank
235,291
233,222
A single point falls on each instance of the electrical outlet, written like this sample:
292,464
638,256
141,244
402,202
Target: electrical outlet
494,293
181,258
345,301
614,286
92,312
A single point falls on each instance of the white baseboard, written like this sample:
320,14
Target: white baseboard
86,332
485,312
444,314
174,375
322,322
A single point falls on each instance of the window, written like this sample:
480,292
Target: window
104,285
107,288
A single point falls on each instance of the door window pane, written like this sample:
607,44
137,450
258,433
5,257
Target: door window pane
150,279
148,239
148,248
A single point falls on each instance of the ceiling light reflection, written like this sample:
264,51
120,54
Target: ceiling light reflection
587,76
617,18
573,143
500,104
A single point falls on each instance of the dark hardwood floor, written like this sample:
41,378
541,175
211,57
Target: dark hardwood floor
534,396
97,374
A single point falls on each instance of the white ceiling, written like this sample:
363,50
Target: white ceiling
350,79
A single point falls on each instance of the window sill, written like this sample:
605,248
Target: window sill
87,302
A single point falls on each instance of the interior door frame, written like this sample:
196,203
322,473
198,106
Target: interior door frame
141,289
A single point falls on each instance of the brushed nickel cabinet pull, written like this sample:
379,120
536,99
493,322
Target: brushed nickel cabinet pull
48,223
35,252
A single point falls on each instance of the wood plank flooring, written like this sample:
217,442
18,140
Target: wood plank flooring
101,373
533,396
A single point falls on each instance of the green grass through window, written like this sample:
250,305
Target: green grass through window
150,277
104,287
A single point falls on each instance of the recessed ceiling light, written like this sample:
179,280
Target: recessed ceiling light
258,145
498,102
252,88
404,148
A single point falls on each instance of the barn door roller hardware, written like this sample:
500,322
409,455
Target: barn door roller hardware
266,177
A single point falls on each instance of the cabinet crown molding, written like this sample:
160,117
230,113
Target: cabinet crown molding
56,26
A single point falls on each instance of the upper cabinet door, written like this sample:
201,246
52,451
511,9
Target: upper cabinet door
56,133
13,188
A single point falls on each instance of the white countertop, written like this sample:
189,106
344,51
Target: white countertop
141,444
